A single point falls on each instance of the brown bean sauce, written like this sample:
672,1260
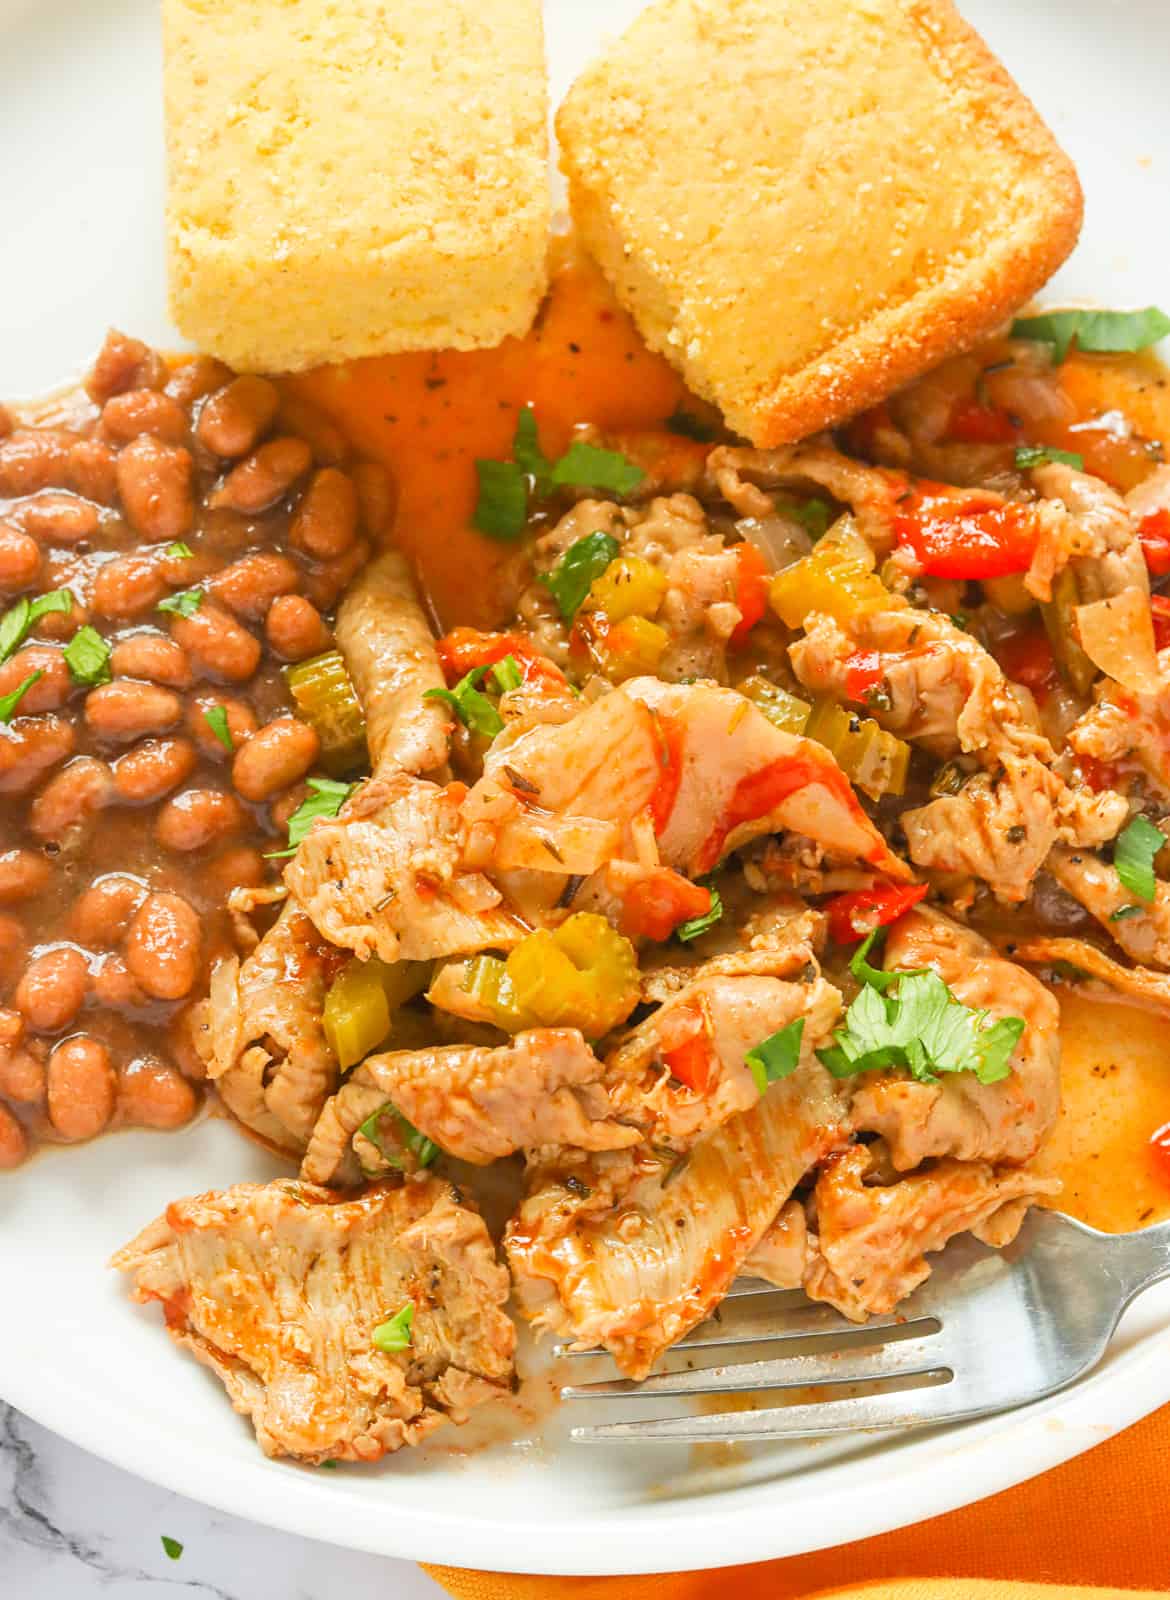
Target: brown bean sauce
124,819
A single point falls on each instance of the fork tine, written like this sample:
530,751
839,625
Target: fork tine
907,1358
914,1408
761,1323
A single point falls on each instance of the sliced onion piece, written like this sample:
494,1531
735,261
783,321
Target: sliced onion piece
1117,635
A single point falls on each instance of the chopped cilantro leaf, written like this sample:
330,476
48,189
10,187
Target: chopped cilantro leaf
813,516
326,799
1037,455
501,509
1102,331
172,1547
1133,855
573,576
526,451
587,467
474,710
19,620
394,1334
506,674
776,1056
87,655
179,551
9,702
186,603
217,720
686,931
424,1150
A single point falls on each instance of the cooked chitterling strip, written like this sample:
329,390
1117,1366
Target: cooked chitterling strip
734,776
939,686
1000,828
782,1253
959,1116
1125,727
1084,524
386,879
630,1250
278,1288
263,1040
1108,979
389,651
872,1240
1143,933
727,1008
740,476
480,1103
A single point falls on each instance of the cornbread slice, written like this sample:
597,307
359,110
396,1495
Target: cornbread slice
348,177
805,204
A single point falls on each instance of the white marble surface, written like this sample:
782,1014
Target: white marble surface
72,1527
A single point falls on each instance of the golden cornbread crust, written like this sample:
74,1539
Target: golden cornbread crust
354,177
804,206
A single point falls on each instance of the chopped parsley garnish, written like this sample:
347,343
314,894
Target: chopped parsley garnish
217,720
179,550
423,1149
686,931
325,799
326,1465
87,655
776,1056
1107,332
1134,850
172,1547
574,574
1038,455
186,603
474,710
813,516
688,426
501,508
912,1020
19,620
9,702
394,1334
506,674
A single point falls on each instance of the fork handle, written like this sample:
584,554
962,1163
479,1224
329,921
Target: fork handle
1142,1258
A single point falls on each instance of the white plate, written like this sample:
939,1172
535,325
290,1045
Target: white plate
82,178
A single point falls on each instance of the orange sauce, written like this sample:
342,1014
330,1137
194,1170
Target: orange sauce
428,417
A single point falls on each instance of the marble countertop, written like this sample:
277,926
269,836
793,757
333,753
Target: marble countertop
71,1527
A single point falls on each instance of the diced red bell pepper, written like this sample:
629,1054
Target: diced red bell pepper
1027,658
965,533
863,671
1160,609
670,755
751,591
463,649
972,423
684,1043
852,916
655,904
1154,534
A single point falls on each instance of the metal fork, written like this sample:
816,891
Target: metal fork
989,1330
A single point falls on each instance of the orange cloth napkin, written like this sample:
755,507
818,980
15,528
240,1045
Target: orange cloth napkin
1103,1518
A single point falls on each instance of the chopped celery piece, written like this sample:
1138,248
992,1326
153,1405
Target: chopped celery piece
585,975
836,577
324,698
1072,663
361,1003
872,759
783,710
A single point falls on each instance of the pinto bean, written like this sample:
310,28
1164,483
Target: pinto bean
241,867
30,747
153,657
13,945
129,586
82,1087
60,518
155,483
377,497
234,421
138,411
198,817
20,559
32,460
325,586
126,709
13,1140
52,988
113,988
152,769
241,723
193,379
92,470
216,644
249,586
265,476
61,625
324,525
70,798
327,442
163,946
278,755
22,1074
51,689
152,1094
102,914
284,805
24,874
123,363
295,629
